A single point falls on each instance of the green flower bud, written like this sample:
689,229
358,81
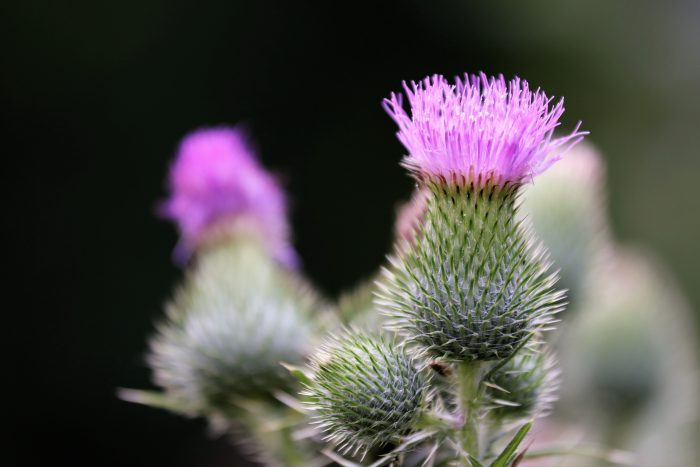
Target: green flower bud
365,392
471,286
630,362
237,315
567,208
632,341
525,386
356,307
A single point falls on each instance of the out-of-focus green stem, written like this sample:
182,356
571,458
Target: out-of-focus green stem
468,396
611,456
272,432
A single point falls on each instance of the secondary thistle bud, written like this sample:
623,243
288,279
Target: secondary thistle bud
472,285
356,307
219,188
632,343
567,209
525,386
409,216
237,316
632,355
365,391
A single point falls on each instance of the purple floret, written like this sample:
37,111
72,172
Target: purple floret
217,180
478,130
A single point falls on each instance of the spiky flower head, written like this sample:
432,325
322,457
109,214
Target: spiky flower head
473,284
218,185
365,391
525,386
236,317
479,130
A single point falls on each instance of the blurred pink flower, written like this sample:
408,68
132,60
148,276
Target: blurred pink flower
480,129
410,214
216,181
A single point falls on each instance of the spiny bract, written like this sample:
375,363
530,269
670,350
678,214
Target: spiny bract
472,286
235,318
365,391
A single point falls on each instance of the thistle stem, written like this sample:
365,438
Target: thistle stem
468,402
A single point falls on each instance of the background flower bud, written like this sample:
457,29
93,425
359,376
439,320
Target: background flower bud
526,385
567,208
218,187
236,317
630,364
410,215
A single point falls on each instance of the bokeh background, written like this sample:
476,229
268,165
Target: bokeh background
95,95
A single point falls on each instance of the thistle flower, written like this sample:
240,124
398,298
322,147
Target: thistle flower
480,130
218,187
365,391
473,284
525,386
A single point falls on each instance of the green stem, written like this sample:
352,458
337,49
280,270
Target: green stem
272,431
610,456
468,375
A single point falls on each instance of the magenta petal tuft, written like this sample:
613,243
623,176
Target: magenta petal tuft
480,129
216,180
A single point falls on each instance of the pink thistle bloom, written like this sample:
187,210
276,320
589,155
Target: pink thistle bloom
217,185
479,130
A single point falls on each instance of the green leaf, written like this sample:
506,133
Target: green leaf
298,373
475,462
504,457
153,399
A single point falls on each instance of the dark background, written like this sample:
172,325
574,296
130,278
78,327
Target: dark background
95,95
